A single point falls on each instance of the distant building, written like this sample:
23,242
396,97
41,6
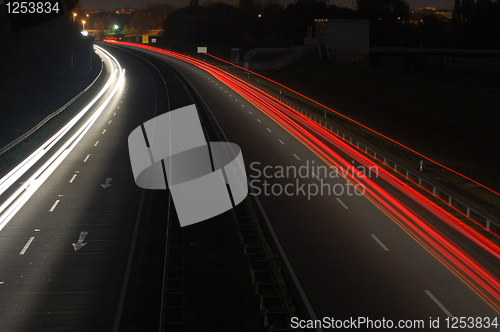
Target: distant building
427,10
445,15
344,40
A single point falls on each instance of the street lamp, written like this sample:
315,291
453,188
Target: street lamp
74,17
83,24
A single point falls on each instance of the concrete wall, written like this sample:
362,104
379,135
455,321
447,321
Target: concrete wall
348,34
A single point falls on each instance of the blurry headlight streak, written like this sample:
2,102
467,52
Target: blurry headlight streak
15,201
320,140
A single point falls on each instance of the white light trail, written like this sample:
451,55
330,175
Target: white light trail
15,201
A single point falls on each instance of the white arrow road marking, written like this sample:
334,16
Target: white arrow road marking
27,245
107,183
79,245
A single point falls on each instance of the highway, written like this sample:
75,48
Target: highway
351,257
64,257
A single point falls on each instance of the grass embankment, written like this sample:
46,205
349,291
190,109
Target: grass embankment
31,112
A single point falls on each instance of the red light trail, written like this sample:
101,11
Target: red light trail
362,125
322,141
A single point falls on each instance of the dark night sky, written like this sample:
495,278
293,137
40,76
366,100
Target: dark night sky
105,4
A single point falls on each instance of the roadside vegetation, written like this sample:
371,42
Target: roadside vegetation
42,69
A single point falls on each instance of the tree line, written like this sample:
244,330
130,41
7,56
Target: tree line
41,69
476,24
251,23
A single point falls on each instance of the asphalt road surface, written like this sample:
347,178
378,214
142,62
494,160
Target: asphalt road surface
350,258
45,285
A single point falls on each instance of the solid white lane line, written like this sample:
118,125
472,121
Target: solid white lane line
440,305
281,142
379,242
259,120
26,246
86,158
103,132
54,205
269,130
342,203
296,156
72,178
96,143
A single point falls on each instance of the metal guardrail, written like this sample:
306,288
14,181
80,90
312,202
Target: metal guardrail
48,117
441,192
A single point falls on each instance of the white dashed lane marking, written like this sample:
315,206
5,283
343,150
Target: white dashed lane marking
342,203
53,207
27,245
379,242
